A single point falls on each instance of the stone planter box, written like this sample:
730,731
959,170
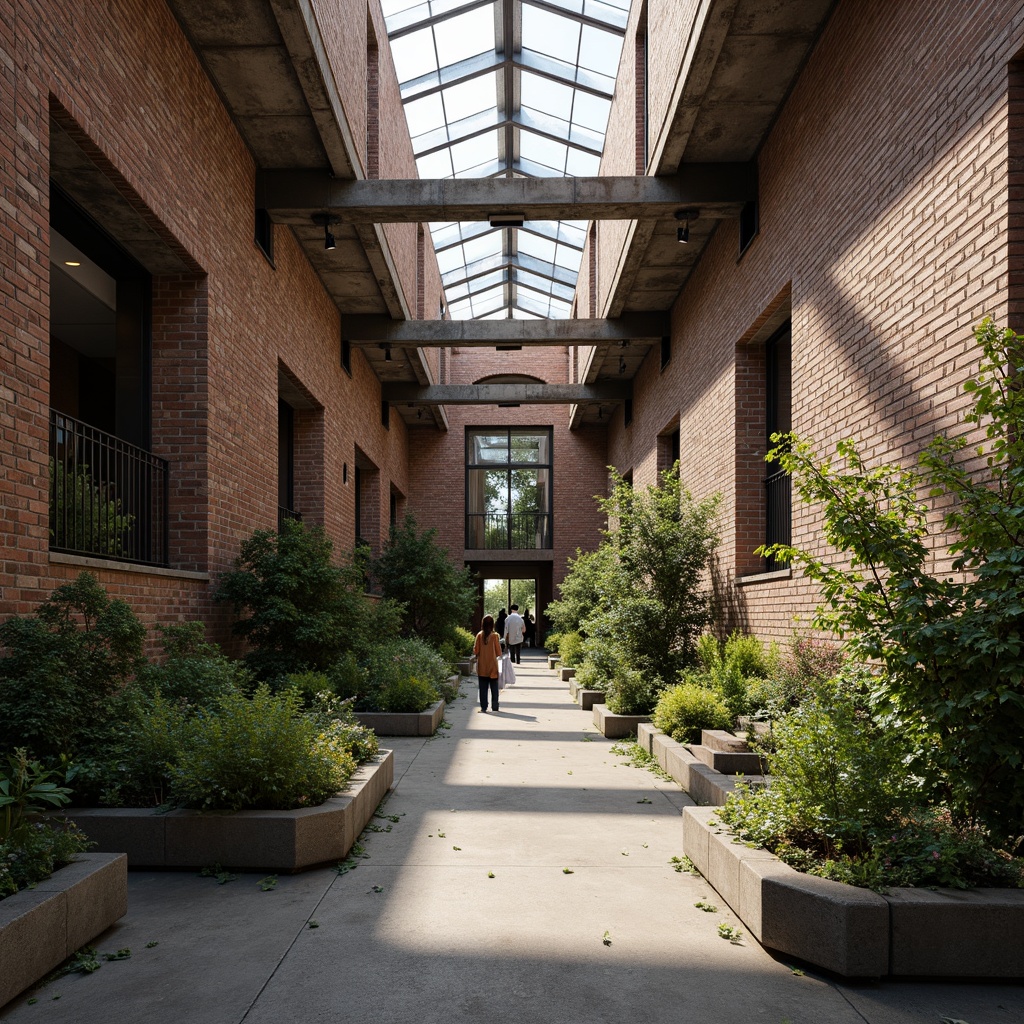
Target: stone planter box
588,699
616,726
283,841
978,933
424,723
467,666
554,661
567,674
41,927
706,785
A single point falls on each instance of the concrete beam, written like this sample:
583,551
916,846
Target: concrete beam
493,394
380,330
715,190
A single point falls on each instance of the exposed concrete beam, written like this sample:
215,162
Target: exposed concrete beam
715,190
379,330
493,394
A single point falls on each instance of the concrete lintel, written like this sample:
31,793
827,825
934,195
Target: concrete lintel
715,190
493,394
374,330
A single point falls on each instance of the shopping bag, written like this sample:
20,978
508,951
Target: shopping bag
503,668
510,673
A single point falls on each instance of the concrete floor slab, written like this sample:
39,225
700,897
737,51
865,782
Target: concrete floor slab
420,934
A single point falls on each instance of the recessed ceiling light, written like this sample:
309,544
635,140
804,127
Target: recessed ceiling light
72,263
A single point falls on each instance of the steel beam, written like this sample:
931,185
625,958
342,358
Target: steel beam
505,394
714,190
643,328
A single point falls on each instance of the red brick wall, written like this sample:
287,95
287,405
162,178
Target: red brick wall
127,84
884,189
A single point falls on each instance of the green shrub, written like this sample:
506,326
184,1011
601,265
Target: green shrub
684,710
333,715
408,695
259,752
449,691
948,642
308,685
137,772
552,640
601,664
413,571
193,671
571,646
62,666
299,611
631,692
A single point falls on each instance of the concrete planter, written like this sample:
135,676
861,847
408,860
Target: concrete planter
567,674
588,699
245,840
41,927
616,726
423,723
978,933
706,785
554,661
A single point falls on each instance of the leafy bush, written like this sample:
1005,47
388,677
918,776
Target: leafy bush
583,591
304,612
390,668
684,710
949,648
552,640
335,716
795,677
571,647
631,692
63,664
415,572
259,752
601,664
193,671
308,685
34,850
408,695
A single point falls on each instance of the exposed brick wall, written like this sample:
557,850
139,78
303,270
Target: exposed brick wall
128,88
884,191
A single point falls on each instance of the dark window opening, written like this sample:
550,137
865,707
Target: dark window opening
108,494
346,356
508,488
264,233
627,412
286,463
385,414
666,351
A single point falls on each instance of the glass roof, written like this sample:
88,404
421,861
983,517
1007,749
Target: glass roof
507,88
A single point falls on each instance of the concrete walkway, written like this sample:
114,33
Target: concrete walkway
422,933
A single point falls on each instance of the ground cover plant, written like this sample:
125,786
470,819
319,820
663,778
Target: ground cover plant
942,699
32,848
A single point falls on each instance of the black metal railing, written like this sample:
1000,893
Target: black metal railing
519,531
778,515
108,498
286,514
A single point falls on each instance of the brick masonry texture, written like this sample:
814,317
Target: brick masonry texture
891,222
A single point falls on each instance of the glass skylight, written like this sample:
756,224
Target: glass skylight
507,88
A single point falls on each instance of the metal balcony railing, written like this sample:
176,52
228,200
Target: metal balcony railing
518,531
778,517
285,514
108,498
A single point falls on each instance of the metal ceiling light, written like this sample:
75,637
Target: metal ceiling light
683,232
324,220
622,364
387,353
328,239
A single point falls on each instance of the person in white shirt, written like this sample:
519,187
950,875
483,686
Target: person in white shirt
515,633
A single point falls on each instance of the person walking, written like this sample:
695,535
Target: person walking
515,633
487,649
499,626
531,628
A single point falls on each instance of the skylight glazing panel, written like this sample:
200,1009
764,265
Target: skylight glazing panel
524,279
479,248
568,258
599,50
590,111
464,36
540,248
543,94
399,14
435,165
551,34
474,152
579,164
414,54
468,98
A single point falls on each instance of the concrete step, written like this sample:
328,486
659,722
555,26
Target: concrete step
719,739
728,763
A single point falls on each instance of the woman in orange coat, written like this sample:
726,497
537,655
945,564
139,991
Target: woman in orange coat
487,649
